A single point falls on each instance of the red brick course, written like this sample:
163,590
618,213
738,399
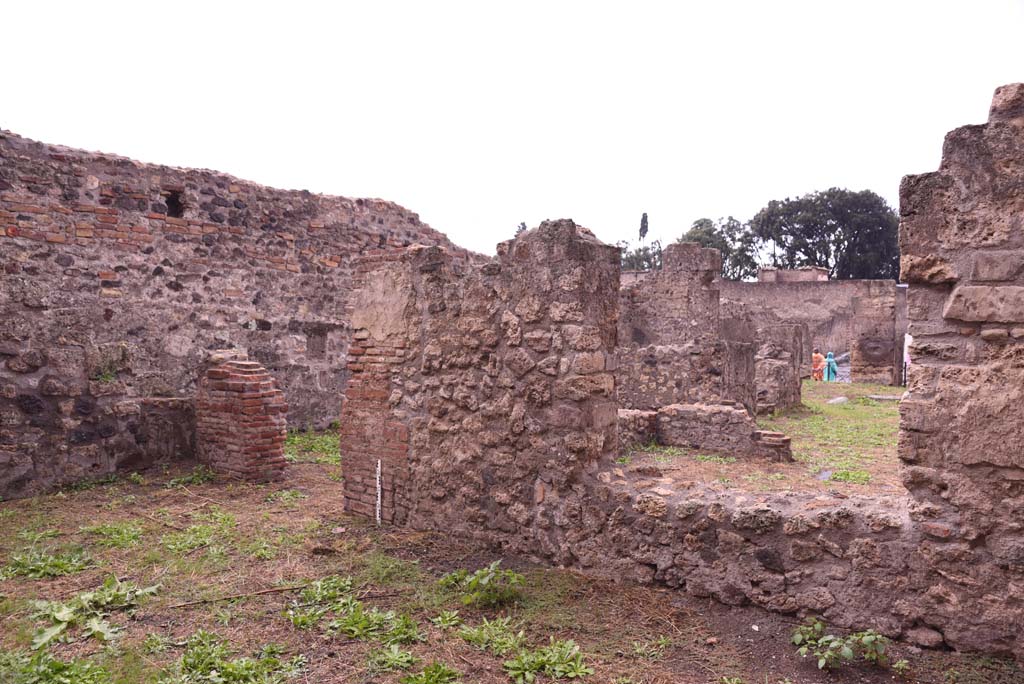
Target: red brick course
241,420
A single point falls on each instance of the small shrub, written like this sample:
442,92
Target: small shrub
488,587
434,673
390,659
831,651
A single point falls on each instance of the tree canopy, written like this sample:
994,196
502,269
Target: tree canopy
732,239
852,234
643,258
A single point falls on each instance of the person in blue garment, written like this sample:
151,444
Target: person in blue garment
831,368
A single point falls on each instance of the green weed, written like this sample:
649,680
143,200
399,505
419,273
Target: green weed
193,537
206,660
89,611
20,667
488,587
199,475
434,673
497,636
36,564
557,660
447,619
313,447
116,535
390,659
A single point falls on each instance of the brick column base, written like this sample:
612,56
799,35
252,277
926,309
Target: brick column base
241,419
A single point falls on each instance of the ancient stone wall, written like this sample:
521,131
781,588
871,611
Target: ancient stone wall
503,382
117,278
806,274
962,246
240,419
779,366
502,375
858,316
674,346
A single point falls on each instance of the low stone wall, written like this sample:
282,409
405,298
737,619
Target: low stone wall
241,423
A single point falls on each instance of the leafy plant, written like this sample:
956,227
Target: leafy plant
831,651
37,564
88,610
199,475
651,650
193,537
434,673
36,536
389,659
206,661
558,660
286,496
361,623
19,667
447,619
488,587
326,590
116,535
856,476
497,636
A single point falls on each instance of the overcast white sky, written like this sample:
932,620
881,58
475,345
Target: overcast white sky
479,115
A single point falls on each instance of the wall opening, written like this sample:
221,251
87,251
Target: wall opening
175,205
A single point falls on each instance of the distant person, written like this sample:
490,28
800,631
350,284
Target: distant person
831,369
817,365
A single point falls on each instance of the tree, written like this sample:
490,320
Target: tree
852,234
643,227
733,239
643,258
521,228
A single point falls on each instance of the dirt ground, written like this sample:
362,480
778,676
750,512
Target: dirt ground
849,447
213,547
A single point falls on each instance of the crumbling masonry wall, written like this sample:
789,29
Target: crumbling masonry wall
859,316
502,376
961,437
117,277
674,346
494,456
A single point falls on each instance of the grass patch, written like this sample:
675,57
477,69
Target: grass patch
313,447
119,535
38,564
207,660
199,475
